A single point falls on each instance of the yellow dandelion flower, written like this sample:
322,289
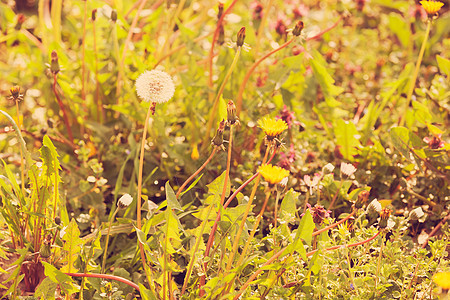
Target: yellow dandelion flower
273,174
442,279
273,128
431,7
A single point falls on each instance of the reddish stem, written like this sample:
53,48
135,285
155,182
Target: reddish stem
196,172
106,276
63,109
215,36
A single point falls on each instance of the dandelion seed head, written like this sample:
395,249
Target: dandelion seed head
155,86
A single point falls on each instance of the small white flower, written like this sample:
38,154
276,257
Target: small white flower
328,168
347,169
284,181
416,213
374,206
125,201
91,179
155,86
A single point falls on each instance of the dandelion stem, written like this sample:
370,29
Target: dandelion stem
105,252
412,83
196,173
213,113
63,109
150,111
244,218
22,167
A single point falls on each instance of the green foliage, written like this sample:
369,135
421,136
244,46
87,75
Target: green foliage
341,86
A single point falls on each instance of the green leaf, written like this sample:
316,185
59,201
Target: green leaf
346,138
444,65
146,294
304,231
172,201
216,186
55,275
288,206
46,289
400,27
72,245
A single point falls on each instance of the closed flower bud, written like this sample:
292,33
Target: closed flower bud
221,38
124,201
218,138
298,28
231,113
15,93
20,21
384,216
240,37
45,251
54,65
220,12
94,13
114,15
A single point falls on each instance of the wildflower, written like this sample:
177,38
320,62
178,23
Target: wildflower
232,118
442,279
218,138
287,159
240,37
273,174
15,93
155,86
431,7
288,116
347,169
374,207
54,65
272,128
435,142
257,9
314,182
281,28
384,215
125,201
284,182
319,213
416,213
328,168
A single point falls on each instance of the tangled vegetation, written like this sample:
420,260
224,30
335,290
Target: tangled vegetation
236,150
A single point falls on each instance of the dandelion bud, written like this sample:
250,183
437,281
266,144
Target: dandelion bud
231,113
221,38
94,13
416,213
15,92
57,220
362,199
374,207
114,15
20,21
220,12
218,138
54,66
240,37
298,28
385,213
124,201
45,251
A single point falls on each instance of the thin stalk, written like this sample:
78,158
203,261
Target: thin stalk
125,46
83,63
150,111
222,199
416,72
250,238
244,218
337,193
100,111
213,113
63,109
105,253
213,43
22,167
196,173
379,262
252,69
106,276
261,25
